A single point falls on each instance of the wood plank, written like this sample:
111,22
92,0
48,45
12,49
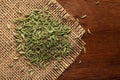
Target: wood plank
102,60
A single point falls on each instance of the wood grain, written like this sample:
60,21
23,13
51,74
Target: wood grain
102,60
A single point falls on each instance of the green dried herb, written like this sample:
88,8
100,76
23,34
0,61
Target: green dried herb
77,19
84,16
8,26
22,69
25,58
15,58
77,37
80,62
21,52
19,12
89,31
10,65
84,49
41,39
31,72
56,67
29,64
97,2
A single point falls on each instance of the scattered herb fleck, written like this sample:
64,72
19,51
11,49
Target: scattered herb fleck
21,52
41,39
22,69
97,2
84,49
10,65
77,19
84,16
56,67
25,58
77,37
19,12
8,26
31,72
89,31
15,58
29,64
80,62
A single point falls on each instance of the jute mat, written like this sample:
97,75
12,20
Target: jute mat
12,9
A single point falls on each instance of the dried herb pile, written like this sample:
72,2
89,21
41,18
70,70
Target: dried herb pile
41,39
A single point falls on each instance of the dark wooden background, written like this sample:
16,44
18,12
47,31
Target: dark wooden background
102,60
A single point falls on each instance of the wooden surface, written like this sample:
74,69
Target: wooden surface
102,60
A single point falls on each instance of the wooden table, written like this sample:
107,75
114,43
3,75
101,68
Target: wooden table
102,60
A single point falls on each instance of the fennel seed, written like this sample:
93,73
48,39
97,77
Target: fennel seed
80,62
89,31
15,58
22,69
84,16
8,26
84,49
97,2
10,65
31,72
77,19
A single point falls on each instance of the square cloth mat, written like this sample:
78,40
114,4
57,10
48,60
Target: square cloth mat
9,12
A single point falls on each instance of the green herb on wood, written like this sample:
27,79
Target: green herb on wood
84,16
80,62
77,19
10,65
84,49
89,32
97,2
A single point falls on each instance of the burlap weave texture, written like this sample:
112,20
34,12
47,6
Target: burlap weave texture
12,9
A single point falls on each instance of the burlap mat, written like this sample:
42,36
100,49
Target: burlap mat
12,9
